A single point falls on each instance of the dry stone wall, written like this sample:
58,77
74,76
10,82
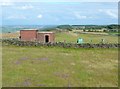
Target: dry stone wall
57,44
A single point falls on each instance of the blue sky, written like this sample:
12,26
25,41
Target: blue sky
57,13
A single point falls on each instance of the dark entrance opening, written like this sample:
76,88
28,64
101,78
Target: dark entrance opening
46,38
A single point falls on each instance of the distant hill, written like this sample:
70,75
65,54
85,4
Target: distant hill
15,28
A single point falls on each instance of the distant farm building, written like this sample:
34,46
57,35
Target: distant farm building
35,35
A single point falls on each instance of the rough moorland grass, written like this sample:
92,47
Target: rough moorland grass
59,67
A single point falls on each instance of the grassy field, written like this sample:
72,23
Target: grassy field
72,37
59,67
10,35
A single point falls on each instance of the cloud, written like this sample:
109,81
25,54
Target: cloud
59,0
6,3
81,16
78,15
25,7
67,0
110,12
40,16
16,17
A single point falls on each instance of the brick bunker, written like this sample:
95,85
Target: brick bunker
35,35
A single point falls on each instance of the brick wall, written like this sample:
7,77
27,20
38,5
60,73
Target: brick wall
28,35
41,37
34,35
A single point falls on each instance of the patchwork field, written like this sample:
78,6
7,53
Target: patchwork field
59,67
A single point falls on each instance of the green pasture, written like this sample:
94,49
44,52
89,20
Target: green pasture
88,38
59,67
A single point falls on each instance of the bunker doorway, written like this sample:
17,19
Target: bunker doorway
46,38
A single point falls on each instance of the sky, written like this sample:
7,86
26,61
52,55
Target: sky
59,13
